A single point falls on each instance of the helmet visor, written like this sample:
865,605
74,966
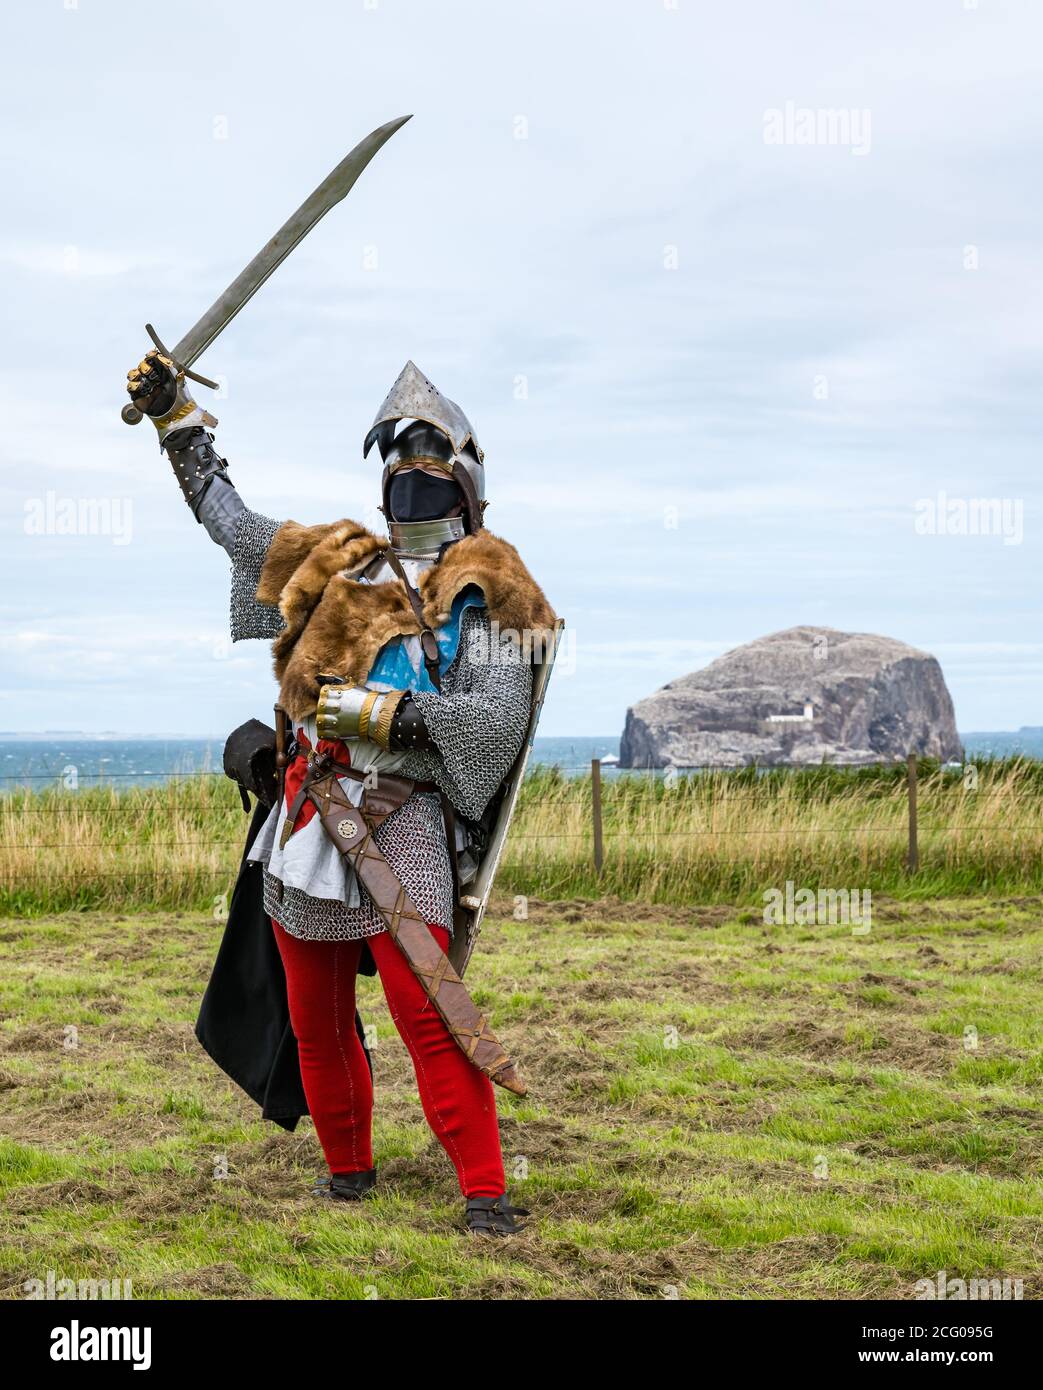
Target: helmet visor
415,495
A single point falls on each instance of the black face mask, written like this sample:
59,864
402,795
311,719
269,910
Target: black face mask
418,496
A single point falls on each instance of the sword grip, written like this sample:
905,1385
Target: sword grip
131,415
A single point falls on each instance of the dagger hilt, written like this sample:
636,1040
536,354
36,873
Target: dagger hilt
130,414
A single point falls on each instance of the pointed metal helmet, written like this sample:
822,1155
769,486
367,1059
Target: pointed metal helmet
414,397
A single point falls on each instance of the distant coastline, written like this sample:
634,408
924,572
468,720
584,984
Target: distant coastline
1032,731
35,759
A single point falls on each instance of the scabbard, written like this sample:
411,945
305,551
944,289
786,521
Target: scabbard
350,828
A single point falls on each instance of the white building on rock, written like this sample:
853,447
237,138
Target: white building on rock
808,717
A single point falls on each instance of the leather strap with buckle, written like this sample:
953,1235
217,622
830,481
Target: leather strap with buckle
383,796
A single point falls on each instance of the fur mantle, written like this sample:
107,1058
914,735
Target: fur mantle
336,625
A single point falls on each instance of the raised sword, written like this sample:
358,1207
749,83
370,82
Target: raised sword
330,191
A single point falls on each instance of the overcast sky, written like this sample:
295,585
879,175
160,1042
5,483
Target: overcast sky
719,347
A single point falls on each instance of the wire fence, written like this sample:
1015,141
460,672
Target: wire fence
621,835
107,837
102,775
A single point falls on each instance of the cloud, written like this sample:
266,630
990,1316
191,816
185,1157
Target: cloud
73,260
528,278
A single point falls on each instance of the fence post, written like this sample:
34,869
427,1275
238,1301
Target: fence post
913,861
595,788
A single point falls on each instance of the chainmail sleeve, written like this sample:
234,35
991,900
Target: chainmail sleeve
478,721
253,536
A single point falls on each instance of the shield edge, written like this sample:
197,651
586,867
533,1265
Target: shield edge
469,915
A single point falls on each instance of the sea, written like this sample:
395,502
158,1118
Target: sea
77,759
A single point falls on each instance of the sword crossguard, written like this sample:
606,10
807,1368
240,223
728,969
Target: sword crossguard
130,414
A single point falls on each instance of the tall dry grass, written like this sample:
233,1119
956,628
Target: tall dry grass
729,835
172,846
720,836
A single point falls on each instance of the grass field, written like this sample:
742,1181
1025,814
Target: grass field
718,1109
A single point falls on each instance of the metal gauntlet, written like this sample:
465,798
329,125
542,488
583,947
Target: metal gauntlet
183,412
352,711
195,462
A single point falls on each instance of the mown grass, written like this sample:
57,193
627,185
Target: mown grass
718,1108
721,836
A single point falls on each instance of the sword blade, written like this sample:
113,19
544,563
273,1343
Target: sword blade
332,189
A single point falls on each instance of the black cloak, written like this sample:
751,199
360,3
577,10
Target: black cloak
244,1019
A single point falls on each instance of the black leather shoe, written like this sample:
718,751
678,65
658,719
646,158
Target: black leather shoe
346,1187
493,1216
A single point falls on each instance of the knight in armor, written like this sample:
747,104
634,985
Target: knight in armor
405,670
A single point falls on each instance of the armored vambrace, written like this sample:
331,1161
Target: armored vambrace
408,730
182,426
195,462
388,718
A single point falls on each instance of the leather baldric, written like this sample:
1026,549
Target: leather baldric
351,830
428,640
